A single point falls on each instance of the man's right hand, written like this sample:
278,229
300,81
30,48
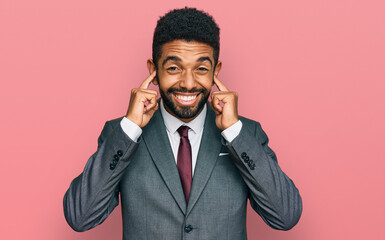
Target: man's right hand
143,103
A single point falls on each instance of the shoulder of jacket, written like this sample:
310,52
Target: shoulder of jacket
113,122
249,122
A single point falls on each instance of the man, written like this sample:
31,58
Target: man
184,169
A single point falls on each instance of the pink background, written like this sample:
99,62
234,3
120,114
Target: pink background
312,72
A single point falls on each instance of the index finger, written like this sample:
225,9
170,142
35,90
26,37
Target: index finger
148,80
220,85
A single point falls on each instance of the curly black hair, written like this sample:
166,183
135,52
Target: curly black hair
187,24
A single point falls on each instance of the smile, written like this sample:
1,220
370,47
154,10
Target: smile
186,99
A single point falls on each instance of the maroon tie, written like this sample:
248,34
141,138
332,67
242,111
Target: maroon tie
184,161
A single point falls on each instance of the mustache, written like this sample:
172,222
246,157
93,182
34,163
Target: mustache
184,90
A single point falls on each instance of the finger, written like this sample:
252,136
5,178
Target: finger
152,110
148,91
215,111
220,94
143,95
152,102
226,97
220,85
215,102
135,91
148,80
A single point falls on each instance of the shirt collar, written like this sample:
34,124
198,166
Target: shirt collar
172,123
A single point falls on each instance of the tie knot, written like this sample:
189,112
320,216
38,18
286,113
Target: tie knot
183,131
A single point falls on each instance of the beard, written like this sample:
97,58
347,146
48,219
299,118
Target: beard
184,112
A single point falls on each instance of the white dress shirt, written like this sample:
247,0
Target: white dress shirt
172,124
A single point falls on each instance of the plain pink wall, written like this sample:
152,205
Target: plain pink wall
312,72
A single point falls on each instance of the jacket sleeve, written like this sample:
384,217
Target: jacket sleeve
93,195
272,194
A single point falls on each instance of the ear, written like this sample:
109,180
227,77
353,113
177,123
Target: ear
217,69
151,69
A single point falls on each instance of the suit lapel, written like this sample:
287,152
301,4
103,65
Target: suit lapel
207,156
158,144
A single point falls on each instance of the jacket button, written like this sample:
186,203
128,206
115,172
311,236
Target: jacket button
251,164
188,228
116,157
112,166
120,153
243,155
246,159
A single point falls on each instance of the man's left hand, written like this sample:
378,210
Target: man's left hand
227,114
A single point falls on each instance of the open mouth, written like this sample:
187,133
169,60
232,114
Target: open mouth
186,98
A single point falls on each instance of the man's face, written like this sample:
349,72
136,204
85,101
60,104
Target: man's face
185,77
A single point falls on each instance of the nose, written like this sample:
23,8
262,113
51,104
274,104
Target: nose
188,80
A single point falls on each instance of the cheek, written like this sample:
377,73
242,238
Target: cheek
206,81
167,81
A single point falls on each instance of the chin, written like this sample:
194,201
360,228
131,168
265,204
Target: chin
184,104
184,112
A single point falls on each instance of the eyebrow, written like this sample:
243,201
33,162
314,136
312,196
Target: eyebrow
202,59
168,58
177,59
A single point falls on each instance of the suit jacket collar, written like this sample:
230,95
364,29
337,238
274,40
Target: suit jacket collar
157,142
207,157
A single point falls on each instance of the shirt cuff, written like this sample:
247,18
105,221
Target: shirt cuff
232,132
132,130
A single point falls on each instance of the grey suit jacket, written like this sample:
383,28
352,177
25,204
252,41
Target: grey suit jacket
153,204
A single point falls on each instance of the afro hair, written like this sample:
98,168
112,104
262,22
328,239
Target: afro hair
187,24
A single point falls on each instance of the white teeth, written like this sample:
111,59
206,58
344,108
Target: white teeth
186,98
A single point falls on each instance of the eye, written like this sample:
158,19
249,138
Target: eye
172,69
202,69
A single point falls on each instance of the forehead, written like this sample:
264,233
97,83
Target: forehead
187,51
